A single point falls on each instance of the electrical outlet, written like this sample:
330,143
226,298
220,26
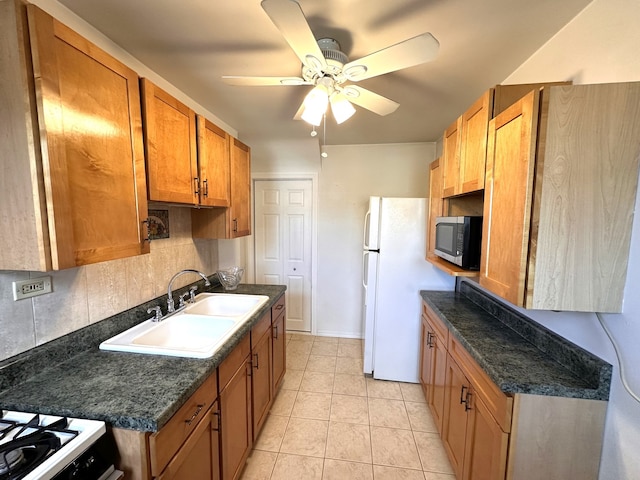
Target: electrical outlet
31,288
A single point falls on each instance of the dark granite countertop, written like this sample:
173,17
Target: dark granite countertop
71,376
518,354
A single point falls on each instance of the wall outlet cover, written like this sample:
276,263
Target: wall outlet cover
31,288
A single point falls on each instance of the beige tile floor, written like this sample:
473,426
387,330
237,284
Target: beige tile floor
329,422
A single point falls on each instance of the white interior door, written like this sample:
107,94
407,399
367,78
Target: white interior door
283,229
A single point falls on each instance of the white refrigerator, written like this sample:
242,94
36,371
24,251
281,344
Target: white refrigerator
394,270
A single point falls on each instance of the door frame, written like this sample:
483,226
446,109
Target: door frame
251,247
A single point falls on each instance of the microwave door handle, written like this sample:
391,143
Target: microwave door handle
365,237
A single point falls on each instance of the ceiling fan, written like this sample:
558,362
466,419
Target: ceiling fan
326,67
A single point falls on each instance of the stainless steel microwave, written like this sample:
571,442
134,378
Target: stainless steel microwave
458,240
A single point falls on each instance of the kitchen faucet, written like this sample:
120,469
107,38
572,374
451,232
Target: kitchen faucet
170,303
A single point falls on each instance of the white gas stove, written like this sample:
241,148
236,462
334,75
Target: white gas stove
45,447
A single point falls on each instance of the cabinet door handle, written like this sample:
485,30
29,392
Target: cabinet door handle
249,364
217,415
195,414
235,224
467,403
463,398
196,185
429,339
205,184
257,365
275,332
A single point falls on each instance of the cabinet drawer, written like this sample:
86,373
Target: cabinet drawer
228,367
497,402
277,309
440,329
260,328
164,444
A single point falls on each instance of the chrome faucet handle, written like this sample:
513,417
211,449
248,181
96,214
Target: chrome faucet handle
192,294
157,313
182,297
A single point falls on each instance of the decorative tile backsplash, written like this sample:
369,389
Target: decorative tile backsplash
85,295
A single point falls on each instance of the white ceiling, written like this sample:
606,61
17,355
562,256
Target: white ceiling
192,43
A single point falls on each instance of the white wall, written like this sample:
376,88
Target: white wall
346,180
602,45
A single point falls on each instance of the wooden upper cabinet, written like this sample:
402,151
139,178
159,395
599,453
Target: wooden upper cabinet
75,189
235,221
564,245
213,164
508,196
451,158
473,144
240,189
170,144
435,204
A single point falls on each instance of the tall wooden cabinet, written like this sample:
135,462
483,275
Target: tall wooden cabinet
561,182
73,188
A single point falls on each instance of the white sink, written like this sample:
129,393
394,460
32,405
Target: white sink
198,331
226,304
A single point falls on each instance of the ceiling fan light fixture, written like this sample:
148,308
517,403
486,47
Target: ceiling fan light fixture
341,108
315,105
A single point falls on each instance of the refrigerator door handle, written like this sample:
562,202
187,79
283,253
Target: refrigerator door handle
364,268
365,235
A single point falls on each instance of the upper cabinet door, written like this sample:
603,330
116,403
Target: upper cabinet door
213,164
170,144
508,198
240,189
451,158
473,149
435,204
92,152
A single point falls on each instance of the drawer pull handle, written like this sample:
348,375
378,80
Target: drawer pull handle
279,307
196,413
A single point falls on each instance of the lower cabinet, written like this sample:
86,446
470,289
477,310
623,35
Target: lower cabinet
491,435
261,373
279,337
235,410
211,435
433,366
198,457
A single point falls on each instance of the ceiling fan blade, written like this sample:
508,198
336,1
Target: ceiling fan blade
288,17
263,81
413,51
369,100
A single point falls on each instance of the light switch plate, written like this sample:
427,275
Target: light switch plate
31,288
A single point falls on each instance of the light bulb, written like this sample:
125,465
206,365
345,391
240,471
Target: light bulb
342,108
315,104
